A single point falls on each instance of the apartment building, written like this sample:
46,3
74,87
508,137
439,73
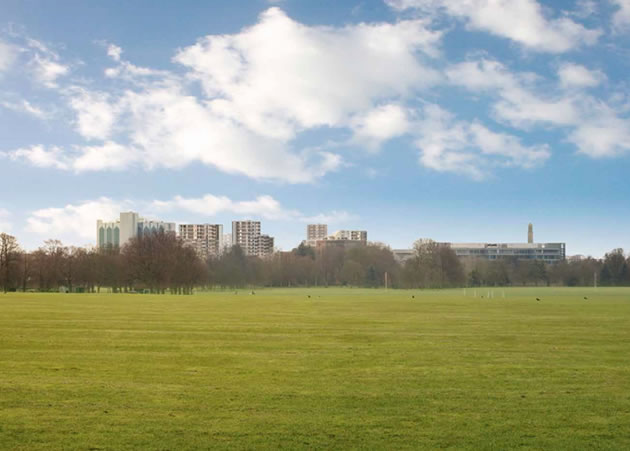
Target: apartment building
205,239
129,225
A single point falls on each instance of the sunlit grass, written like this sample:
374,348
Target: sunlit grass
344,368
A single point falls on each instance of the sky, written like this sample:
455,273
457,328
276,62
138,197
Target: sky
455,120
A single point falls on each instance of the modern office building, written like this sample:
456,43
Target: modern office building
206,239
315,232
246,235
547,252
129,225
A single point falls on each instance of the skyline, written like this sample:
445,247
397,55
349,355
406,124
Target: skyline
408,118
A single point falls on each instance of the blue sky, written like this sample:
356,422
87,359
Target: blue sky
448,119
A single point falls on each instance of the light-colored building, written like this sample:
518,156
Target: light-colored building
129,225
402,255
227,242
206,239
547,252
315,232
264,246
353,235
246,235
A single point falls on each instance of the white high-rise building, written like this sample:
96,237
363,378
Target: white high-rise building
129,225
206,239
246,235
315,232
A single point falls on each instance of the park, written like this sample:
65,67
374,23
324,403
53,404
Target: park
538,368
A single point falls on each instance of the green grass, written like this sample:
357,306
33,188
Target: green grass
347,368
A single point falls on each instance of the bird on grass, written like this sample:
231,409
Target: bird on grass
538,299
585,298
413,297
309,296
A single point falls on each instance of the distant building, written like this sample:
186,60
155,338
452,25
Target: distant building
227,242
129,225
205,239
264,246
315,232
548,252
329,243
353,235
343,238
402,255
246,235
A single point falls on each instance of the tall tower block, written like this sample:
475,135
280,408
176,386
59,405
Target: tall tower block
530,233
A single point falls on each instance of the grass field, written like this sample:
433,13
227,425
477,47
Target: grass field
346,368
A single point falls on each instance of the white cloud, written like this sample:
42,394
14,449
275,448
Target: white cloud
471,149
621,18
519,102
279,76
110,155
7,56
40,156
114,52
575,75
24,106
384,122
595,128
47,71
209,205
264,206
5,223
96,113
522,21
73,222
172,129
603,134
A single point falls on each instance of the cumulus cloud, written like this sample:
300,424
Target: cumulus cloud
40,156
96,113
520,104
522,21
263,206
576,75
73,220
379,124
26,107
114,52
621,17
470,148
594,127
7,56
46,70
279,76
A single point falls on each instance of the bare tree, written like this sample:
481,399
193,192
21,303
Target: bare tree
9,253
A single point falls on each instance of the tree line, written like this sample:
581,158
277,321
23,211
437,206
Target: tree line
160,263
